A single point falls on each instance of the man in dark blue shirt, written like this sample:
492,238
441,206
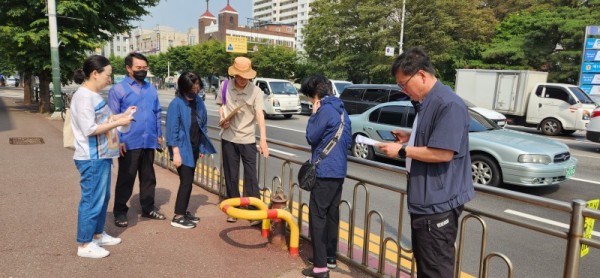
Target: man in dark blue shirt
139,142
438,162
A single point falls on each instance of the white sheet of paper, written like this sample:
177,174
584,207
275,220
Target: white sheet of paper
364,140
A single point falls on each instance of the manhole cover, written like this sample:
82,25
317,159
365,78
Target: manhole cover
25,140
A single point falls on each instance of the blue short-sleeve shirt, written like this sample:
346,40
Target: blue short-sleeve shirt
443,124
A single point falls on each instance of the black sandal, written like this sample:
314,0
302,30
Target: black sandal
121,221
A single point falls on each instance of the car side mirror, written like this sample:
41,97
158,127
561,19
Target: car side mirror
266,91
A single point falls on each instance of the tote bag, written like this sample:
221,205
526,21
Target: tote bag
68,137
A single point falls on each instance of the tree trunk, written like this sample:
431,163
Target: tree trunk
44,94
27,88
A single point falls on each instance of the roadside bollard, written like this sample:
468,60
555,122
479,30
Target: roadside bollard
278,201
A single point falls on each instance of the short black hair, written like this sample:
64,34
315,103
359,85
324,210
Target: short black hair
130,56
411,61
316,85
91,64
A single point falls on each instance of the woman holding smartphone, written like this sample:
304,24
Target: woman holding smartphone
96,144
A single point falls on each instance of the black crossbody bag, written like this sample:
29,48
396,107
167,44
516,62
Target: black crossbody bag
307,176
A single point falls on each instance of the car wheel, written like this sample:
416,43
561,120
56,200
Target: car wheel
362,150
287,116
551,127
485,170
266,115
567,132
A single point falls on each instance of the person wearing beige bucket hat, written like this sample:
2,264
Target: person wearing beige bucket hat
241,109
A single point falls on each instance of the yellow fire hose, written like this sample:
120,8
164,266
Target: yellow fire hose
229,207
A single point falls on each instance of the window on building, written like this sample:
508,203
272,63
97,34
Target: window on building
277,29
289,29
118,48
231,20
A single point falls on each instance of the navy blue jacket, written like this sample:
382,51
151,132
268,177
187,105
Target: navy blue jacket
321,128
179,122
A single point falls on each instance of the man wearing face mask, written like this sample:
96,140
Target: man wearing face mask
139,143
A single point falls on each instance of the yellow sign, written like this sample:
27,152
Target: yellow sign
588,226
236,44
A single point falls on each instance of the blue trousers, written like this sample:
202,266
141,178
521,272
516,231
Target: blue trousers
95,193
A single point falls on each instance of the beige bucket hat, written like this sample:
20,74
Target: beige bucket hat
242,66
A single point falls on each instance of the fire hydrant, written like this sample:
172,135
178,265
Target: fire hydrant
278,201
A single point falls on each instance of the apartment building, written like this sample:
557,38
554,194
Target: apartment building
284,11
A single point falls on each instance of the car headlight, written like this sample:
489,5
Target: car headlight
275,103
535,158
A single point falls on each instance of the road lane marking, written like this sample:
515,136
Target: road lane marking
287,128
584,180
543,220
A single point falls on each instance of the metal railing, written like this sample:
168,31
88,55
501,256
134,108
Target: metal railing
370,249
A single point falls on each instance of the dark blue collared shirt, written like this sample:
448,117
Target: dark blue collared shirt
443,124
146,129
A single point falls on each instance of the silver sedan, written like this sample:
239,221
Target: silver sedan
497,155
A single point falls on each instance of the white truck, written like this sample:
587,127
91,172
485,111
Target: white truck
525,98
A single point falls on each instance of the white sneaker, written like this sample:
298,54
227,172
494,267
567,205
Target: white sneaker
106,240
92,250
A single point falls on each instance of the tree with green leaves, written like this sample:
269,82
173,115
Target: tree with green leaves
546,37
210,58
118,65
179,58
274,61
82,26
348,37
159,67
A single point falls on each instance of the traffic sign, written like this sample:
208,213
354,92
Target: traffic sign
389,51
236,44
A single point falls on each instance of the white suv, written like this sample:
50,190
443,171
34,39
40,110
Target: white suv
593,128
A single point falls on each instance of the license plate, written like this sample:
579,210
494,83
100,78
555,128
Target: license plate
570,172
501,123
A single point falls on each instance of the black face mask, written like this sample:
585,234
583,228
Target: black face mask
190,95
139,75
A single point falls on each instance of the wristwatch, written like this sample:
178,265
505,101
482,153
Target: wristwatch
402,152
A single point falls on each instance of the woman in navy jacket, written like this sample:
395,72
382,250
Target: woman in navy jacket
187,139
325,197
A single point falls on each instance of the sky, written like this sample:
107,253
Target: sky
183,14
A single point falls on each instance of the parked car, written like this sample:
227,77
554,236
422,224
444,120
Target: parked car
12,81
595,98
496,117
497,155
338,86
360,97
280,97
593,128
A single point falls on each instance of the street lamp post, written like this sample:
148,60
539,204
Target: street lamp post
401,42
58,105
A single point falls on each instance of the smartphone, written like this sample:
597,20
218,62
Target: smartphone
386,135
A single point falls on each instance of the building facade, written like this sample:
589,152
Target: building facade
160,38
118,46
227,24
296,12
